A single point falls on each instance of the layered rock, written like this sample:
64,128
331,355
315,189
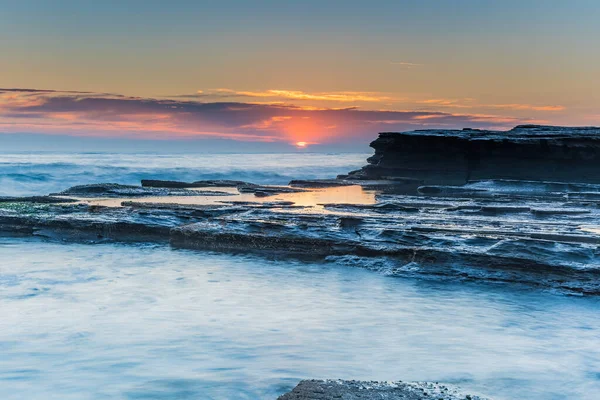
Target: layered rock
266,191
526,152
36,199
156,183
512,232
117,190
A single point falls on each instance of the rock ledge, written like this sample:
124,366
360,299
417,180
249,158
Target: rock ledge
526,152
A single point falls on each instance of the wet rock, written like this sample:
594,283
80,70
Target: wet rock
519,186
544,212
36,199
97,189
196,210
453,191
504,209
370,390
319,183
265,204
260,235
166,184
266,191
551,252
350,222
186,185
379,207
117,190
453,157
75,226
584,196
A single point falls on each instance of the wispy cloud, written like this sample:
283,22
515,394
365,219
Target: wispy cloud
472,103
454,103
527,107
406,64
298,95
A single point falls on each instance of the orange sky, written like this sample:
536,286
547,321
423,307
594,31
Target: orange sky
320,72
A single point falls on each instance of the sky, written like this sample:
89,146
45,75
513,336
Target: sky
304,75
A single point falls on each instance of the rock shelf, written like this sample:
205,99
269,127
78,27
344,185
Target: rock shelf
543,234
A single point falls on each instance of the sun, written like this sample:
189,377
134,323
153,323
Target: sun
301,144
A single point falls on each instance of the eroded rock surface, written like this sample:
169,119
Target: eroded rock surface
548,242
364,390
543,234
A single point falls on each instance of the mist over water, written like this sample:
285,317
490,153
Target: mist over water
42,173
148,322
118,321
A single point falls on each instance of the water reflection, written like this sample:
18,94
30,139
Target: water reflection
312,198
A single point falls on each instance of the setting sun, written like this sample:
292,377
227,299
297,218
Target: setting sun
301,144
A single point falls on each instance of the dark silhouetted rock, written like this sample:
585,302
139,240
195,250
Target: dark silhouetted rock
454,157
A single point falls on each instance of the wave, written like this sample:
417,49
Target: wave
33,174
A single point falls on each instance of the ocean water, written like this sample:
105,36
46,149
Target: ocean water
26,174
115,321
122,321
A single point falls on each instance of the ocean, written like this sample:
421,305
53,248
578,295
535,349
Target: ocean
23,174
147,321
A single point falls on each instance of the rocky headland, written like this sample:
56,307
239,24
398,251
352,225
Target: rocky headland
526,152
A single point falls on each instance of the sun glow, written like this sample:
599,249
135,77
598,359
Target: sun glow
301,144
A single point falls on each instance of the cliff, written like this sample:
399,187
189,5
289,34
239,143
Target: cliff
526,152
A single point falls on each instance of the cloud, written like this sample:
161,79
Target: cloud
322,100
454,103
471,103
527,107
92,114
406,64
298,95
